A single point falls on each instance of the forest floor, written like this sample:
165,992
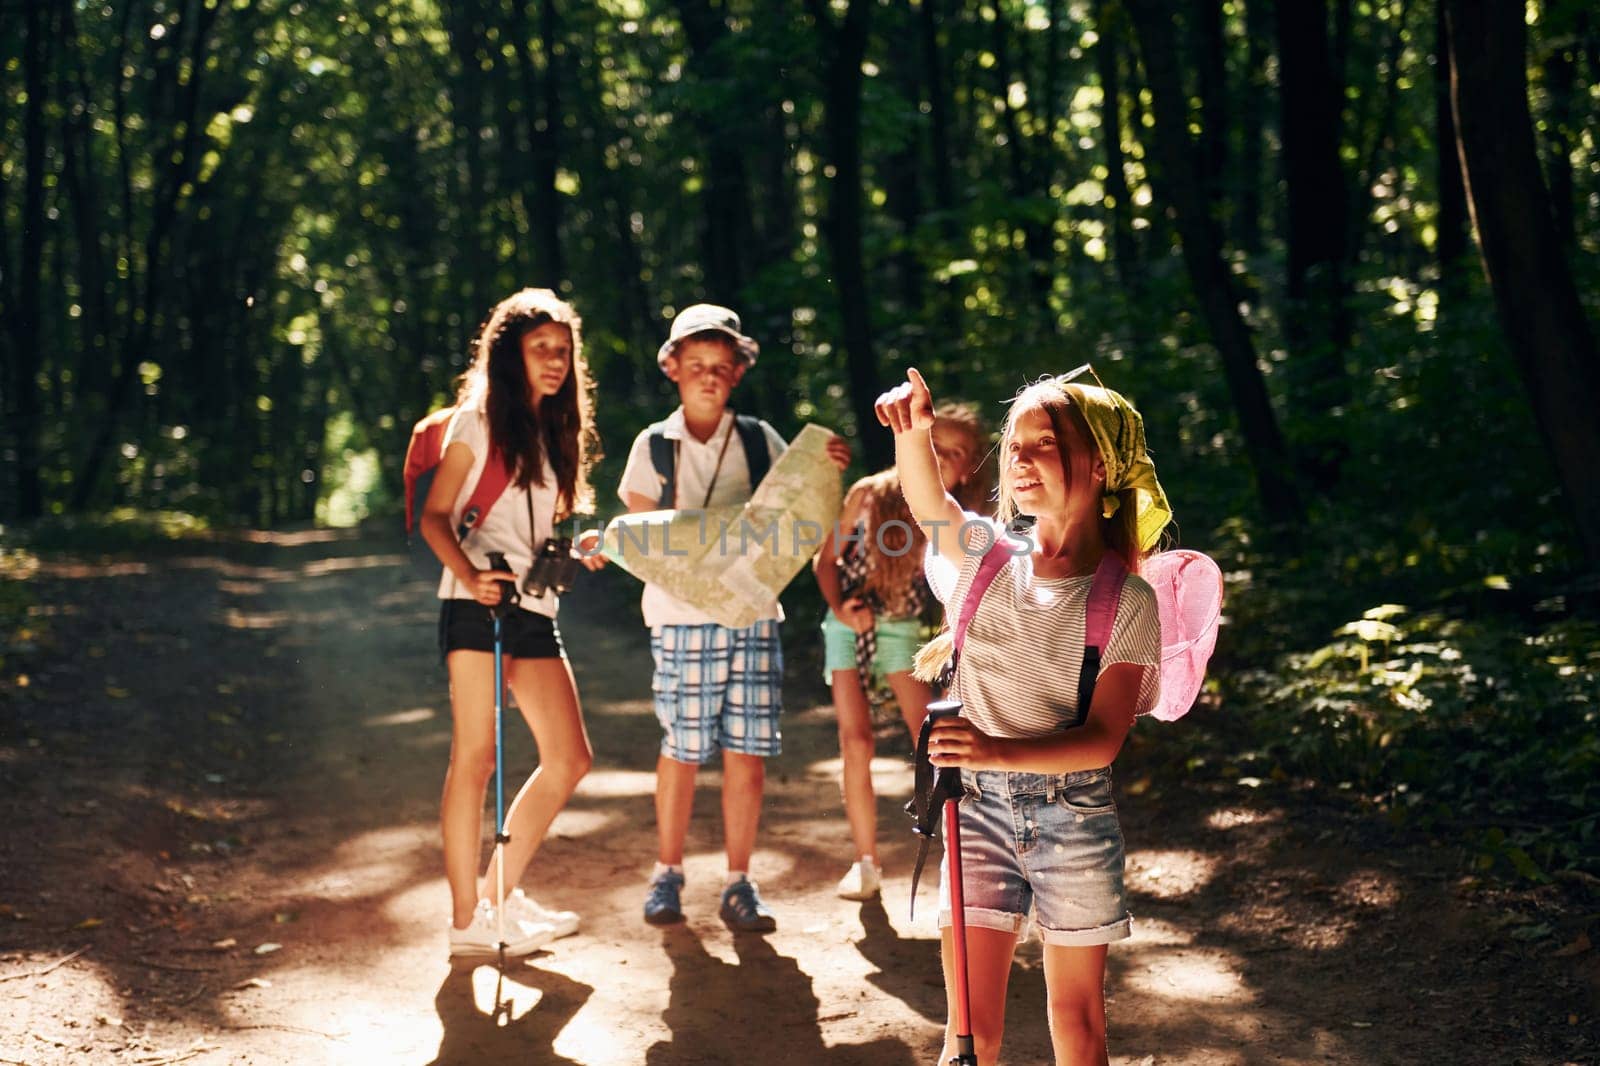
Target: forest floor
221,762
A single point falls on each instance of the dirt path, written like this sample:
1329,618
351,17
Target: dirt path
220,783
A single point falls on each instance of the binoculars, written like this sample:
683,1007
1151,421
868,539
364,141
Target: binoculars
554,568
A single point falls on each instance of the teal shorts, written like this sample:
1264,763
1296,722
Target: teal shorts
897,646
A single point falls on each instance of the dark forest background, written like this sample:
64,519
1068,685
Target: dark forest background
1342,254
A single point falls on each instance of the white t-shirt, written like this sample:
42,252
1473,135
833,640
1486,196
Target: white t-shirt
696,467
505,528
1018,671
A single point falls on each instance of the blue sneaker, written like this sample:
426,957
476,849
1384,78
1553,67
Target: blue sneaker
742,909
663,906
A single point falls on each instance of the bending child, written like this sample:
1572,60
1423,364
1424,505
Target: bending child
525,399
717,689
872,581
1039,829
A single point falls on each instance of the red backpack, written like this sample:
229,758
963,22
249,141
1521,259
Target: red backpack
423,453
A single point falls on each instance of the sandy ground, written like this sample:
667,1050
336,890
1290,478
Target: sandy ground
220,770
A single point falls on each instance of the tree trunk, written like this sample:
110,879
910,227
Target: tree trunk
25,420
1549,337
1124,253
1171,159
1316,315
1450,240
1253,125
1211,59
1558,84
846,45
725,196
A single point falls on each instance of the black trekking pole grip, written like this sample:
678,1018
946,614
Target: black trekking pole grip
508,589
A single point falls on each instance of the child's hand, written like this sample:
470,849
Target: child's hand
957,742
906,407
839,452
855,613
489,585
588,548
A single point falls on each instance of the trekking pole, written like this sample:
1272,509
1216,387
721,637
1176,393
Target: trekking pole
966,1054
508,599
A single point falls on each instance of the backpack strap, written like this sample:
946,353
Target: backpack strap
932,790
757,455
1099,614
492,483
664,457
993,561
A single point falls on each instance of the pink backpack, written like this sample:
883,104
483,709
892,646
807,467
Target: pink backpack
1188,588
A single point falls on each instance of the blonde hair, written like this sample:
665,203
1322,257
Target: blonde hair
972,493
894,557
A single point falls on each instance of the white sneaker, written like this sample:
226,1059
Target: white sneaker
860,882
480,937
523,909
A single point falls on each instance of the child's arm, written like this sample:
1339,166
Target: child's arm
957,742
825,570
436,526
908,411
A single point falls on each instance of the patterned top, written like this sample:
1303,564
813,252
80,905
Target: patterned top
1024,646
855,563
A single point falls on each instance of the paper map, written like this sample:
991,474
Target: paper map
732,561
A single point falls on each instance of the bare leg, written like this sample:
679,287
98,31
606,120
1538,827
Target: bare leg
548,697
674,803
743,779
989,954
1074,979
913,696
856,746
471,767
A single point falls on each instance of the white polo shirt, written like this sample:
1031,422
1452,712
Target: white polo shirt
696,468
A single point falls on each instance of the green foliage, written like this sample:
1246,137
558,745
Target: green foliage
1478,722
121,529
18,634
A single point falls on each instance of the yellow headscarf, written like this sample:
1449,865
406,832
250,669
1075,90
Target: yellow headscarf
1119,435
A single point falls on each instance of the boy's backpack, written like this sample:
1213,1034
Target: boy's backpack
1188,588
664,456
423,454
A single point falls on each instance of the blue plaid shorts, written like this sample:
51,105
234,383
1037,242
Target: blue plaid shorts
717,687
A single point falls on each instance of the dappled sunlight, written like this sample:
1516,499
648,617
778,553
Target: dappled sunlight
1234,817
32,1025
1169,874
234,618
1370,888
1154,931
616,784
408,717
574,823
891,776
1188,975
97,571
293,538
370,864
342,563
612,708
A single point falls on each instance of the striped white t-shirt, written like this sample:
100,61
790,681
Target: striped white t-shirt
1018,671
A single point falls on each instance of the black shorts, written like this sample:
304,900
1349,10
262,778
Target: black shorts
466,625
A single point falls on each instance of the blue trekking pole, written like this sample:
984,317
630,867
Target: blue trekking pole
508,598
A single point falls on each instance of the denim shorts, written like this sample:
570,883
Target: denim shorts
718,688
1048,845
897,640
